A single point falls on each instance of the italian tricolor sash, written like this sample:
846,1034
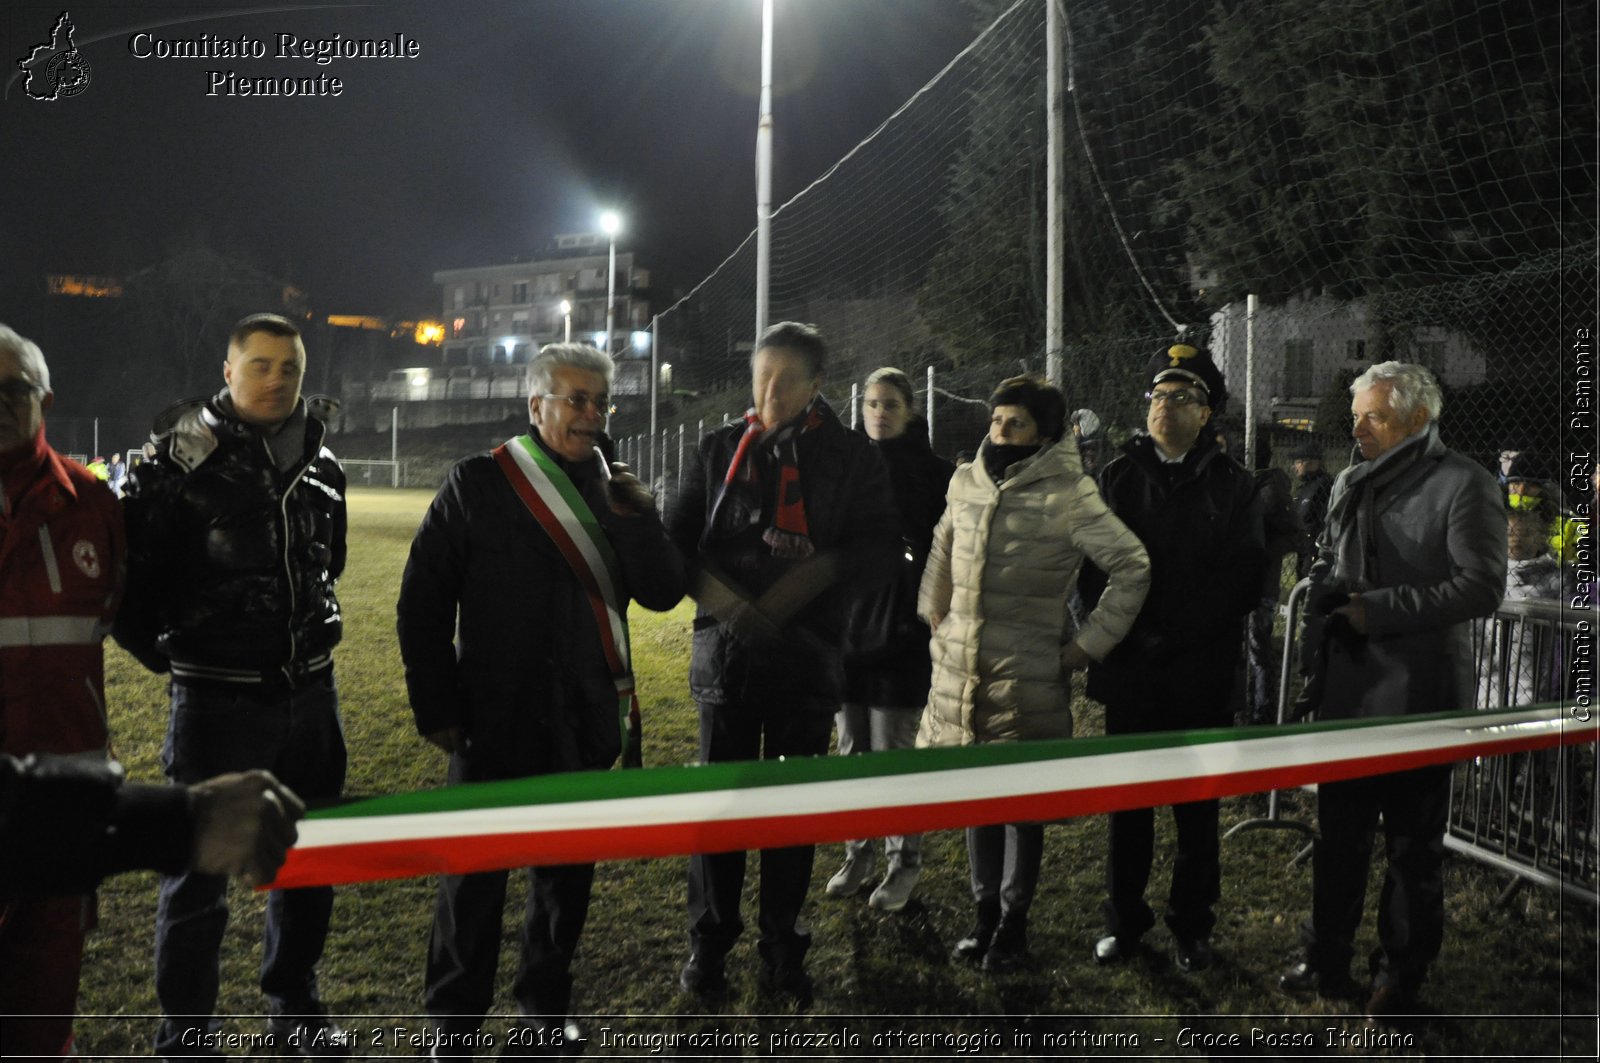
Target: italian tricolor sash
554,501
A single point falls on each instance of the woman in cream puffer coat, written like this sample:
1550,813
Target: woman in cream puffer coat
1019,521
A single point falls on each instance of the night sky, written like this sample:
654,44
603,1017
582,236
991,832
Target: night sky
516,121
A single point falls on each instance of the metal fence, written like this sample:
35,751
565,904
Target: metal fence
1532,814
367,472
1302,239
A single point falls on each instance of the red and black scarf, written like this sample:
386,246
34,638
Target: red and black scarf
787,533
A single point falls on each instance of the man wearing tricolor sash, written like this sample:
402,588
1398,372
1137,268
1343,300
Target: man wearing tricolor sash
783,516
1413,551
513,629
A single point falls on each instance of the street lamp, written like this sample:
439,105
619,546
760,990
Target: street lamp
610,221
566,312
764,175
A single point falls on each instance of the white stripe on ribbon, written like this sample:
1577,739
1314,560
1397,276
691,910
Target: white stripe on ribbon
879,793
51,631
579,534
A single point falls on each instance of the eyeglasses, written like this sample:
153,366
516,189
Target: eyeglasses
19,389
581,402
1174,398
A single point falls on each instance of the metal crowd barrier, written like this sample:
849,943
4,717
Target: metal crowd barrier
1530,814
1274,820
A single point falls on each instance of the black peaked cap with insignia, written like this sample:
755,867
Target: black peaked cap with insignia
1192,365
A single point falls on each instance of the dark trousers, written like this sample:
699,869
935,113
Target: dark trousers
764,731
1414,806
1005,860
465,948
1197,868
1196,871
299,738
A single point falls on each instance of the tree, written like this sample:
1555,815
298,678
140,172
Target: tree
985,293
180,310
1360,145
985,288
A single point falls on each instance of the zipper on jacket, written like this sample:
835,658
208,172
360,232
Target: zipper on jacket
288,569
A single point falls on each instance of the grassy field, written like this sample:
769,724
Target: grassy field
1514,980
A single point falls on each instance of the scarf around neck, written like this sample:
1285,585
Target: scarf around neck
998,457
1358,545
787,531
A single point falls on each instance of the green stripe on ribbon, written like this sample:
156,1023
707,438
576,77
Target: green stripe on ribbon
687,779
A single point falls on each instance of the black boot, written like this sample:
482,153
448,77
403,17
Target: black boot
1010,946
971,949
783,970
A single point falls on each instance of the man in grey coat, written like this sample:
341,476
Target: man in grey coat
1413,551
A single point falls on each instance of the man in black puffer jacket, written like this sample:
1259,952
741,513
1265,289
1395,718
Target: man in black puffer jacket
236,536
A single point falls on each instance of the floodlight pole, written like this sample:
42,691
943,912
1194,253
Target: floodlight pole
764,176
611,292
655,374
611,222
1248,458
1054,238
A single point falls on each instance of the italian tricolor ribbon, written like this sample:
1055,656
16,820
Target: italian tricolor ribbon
553,500
673,811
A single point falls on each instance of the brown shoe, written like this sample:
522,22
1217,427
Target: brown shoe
1389,1002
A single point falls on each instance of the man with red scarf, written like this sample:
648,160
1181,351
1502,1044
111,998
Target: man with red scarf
782,518
61,558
